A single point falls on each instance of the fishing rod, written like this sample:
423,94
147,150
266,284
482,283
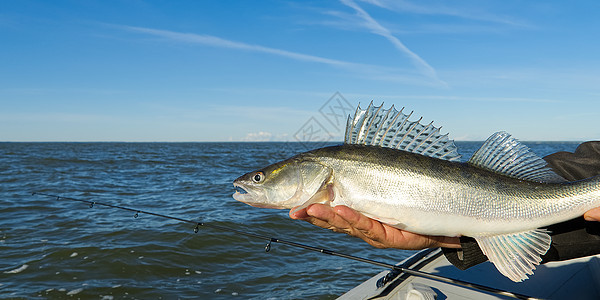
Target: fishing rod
395,268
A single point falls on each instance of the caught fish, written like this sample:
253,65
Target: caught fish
408,175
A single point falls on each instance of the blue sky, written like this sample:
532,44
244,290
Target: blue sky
249,70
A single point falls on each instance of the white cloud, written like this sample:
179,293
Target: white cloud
264,136
260,136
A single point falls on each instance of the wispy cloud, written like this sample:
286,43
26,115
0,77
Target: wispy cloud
214,41
462,12
446,98
376,28
372,72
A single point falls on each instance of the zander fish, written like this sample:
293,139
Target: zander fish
408,175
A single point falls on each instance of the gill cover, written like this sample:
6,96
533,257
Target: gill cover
314,185
298,181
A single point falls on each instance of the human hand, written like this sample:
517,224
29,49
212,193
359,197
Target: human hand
592,214
346,220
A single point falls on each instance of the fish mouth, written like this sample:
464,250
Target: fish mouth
242,193
250,196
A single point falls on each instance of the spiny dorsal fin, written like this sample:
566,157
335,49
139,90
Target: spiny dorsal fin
503,154
391,128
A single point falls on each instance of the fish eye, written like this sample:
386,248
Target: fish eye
258,177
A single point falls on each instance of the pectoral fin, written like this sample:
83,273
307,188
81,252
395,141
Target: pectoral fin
516,255
324,195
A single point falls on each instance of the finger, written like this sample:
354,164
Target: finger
367,226
592,214
322,216
321,211
369,230
326,214
298,215
447,242
322,224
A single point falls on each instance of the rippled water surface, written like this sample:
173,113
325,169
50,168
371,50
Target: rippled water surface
61,249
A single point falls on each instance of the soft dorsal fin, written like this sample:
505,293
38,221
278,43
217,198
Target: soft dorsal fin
391,128
504,154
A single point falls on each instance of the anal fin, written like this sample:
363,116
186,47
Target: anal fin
516,255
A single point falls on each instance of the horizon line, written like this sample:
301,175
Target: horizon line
273,141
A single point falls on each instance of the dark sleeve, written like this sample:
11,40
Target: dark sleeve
467,256
570,239
582,164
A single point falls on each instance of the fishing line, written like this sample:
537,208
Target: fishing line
270,240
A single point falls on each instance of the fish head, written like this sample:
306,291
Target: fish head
282,185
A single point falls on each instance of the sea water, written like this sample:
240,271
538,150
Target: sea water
56,249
